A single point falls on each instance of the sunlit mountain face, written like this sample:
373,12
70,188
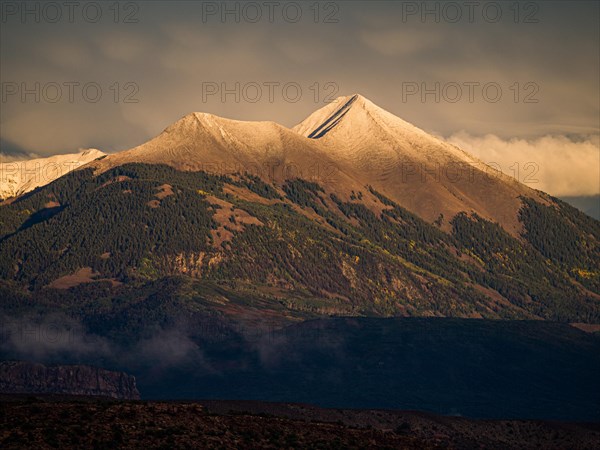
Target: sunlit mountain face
340,216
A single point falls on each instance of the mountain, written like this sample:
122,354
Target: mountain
19,177
208,262
252,218
418,171
347,145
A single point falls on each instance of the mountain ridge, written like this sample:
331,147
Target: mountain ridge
362,144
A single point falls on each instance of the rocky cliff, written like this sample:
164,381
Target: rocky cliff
32,378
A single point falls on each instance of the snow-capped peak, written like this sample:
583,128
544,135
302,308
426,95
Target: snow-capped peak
361,143
19,177
353,115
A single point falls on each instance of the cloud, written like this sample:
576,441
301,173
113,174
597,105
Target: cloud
278,346
167,348
65,53
57,338
171,52
556,164
49,339
121,47
397,42
58,131
10,152
308,52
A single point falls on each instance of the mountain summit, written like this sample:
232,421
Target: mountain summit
419,171
353,141
355,112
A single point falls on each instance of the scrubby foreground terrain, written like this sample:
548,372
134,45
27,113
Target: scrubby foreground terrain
84,423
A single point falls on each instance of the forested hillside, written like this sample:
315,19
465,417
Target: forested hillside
296,244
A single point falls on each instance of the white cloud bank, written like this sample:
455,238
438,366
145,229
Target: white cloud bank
555,164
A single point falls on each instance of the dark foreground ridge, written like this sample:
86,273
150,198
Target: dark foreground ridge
66,422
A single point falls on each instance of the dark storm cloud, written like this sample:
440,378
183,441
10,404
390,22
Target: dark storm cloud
155,70
12,151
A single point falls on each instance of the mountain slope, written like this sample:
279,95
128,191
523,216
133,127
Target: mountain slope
19,177
292,245
420,172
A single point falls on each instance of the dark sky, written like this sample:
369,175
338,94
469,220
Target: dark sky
170,56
